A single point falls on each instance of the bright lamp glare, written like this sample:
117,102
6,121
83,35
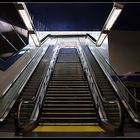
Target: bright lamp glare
101,39
112,18
26,19
35,39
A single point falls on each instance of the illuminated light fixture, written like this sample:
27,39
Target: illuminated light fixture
112,18
26,20
25,15
35,38
101,39
23,11
114,14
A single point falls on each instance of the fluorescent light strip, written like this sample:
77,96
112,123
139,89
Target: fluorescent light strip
35,39
112,18
101,39
26,19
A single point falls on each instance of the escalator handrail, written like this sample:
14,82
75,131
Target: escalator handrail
136,119
35,98
31,101
44,39
104,100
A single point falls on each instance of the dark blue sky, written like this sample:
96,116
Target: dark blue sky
82,16
70,16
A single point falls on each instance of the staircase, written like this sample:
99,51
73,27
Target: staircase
68,99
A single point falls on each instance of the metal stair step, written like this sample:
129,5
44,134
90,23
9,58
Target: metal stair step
67,94
69,124
69,120
68,91
67,105
69,98
70,109
54,114
68,88
63,101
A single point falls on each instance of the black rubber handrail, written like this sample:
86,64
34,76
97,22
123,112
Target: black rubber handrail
70,35
44,39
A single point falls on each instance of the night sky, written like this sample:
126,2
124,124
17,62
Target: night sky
70,16
81,16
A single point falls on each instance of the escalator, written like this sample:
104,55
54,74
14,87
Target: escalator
68,104
28,93
131,118
30,90
104,86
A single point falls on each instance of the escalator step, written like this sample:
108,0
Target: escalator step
29,89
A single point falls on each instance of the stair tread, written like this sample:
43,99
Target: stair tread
45,123
76,118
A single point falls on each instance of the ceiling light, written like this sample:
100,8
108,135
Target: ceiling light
112,18
35,38
114,14
23,11
26,19
101,39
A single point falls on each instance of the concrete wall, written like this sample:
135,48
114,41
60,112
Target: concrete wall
124,51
